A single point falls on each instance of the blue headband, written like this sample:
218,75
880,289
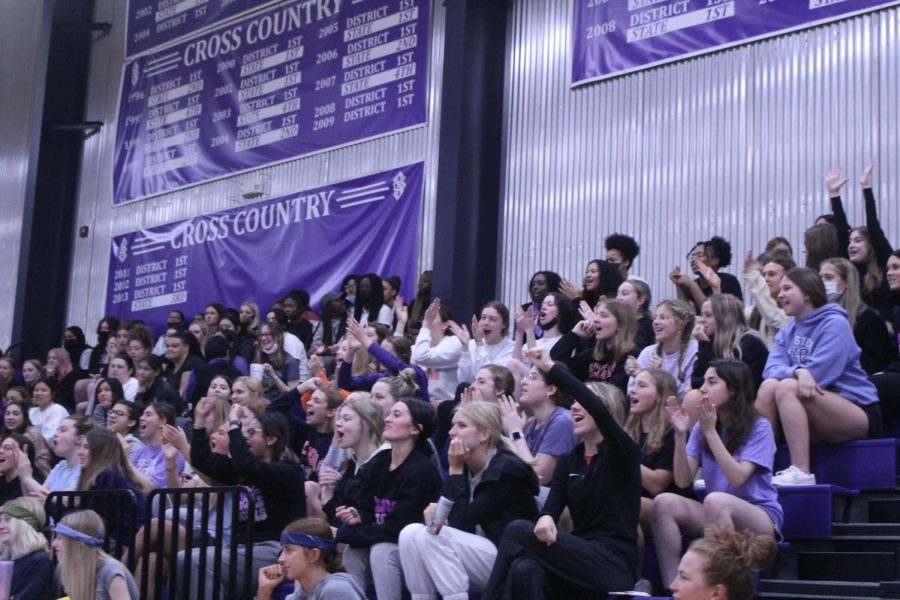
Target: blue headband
298,538
77,535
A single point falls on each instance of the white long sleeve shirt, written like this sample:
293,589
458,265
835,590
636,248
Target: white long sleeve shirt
440,363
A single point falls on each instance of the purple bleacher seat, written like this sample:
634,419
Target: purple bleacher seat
809,509
859,465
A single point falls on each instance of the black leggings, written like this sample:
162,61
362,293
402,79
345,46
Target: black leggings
572,567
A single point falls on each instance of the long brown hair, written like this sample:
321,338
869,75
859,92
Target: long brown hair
106,451
874,271
623,342
666,386
739,412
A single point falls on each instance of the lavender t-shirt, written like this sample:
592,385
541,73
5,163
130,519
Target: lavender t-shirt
150,461
758,449
554,437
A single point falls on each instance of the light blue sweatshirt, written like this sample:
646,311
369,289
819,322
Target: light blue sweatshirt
823,343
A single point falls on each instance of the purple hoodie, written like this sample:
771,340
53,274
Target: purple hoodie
823,343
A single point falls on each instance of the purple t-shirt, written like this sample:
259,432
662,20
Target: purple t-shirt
150,461
555,437
758,449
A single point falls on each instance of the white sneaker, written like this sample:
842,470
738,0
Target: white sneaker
793,476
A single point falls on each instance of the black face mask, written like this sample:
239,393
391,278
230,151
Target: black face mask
363,296
550,325
102,338
70,345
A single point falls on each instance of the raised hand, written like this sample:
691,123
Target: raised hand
569,290
865,180
509,411
834,182
461,333
477,334
540,358
678,415
707,412
700,333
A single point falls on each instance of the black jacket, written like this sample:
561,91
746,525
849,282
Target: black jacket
505,493
603,495
753,353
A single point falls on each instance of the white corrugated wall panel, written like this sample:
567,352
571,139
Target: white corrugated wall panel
91,255
734,143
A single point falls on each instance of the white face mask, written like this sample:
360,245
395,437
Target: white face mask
271,349
831,289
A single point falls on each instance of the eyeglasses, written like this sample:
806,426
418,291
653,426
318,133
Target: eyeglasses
251,431
116,413
265,335
534,377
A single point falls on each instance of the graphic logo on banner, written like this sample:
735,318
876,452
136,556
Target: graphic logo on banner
154,22
258,252
614,37
279,84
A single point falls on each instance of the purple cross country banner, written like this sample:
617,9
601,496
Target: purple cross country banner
614,37
269,88
259,251
152,23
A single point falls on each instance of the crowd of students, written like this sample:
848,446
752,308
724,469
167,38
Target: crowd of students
526,454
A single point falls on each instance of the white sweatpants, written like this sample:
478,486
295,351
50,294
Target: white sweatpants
451,564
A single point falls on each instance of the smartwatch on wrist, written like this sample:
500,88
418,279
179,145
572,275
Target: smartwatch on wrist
516,436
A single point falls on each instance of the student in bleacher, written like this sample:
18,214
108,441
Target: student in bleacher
721,565
621,250
393,355
735,448
123,420
358,428
867,247
762,278
395,488
121,367
60,368
309,557
32,371
16,420
150,459
107,394
488,344
310,437
599,482
281,369
869,330
64,476
200,331
181,360
601,279
46,414
548,433
888,382
675,349
490,384
104,466
723,333
140,343
649,426
706,260
612,326
820,242
489,486
86,572
8,368
257,460
815,387
22,541
540,285
153,385
438,351
16,453
636,293
212,314
369,305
